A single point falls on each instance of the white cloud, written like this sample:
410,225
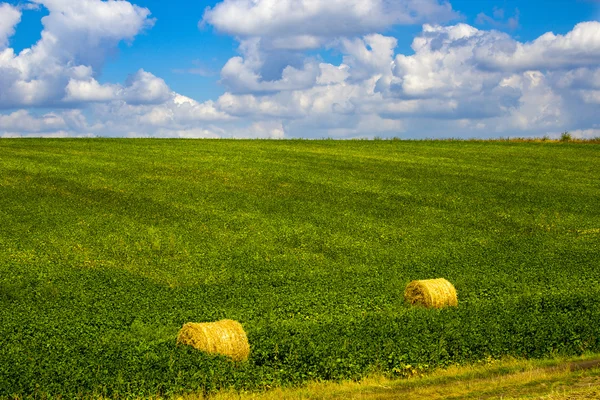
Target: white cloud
586,133
23,121
457,73
9,17
345,126
373,91
459,80
245,74
444,79
88,91
368,56
140,88
580,78
177,114
61,69
579,47
440,64
248,105
75,41
145,88
540,107
192,133
239,76
298,42
85,31
57,134
264,130
331,74
306,23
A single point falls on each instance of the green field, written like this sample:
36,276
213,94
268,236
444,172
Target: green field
108,246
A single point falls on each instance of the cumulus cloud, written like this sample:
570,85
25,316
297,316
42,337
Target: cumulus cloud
88,91
177,114
279,106
447,79
24,122
264,130
579,47
580,78
306,23
75,42
250,73
274,34
145,88
456,73
85,31
444,78
592,133
61,70
140,88
368,56
458,80
9,17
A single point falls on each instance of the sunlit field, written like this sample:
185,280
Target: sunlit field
107,247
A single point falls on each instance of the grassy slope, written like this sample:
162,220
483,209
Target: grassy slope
109,246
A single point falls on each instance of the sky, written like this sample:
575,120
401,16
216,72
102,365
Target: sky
340,69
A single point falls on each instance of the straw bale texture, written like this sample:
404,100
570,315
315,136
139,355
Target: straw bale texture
431,293
225,337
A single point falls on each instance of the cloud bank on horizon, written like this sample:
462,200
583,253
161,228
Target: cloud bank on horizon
457,80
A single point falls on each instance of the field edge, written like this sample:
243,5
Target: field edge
508,378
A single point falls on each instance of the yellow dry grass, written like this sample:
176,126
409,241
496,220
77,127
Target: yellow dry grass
510,379
431,293
225,337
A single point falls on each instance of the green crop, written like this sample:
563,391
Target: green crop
107,247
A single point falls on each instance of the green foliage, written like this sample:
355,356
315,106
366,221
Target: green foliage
565,137
109,246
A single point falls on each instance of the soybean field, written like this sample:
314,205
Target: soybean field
108,246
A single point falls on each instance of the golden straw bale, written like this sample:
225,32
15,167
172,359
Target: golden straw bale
226,337
431,293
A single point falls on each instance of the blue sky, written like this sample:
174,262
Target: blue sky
299,68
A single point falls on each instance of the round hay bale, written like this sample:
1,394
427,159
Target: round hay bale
431,293
225,337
